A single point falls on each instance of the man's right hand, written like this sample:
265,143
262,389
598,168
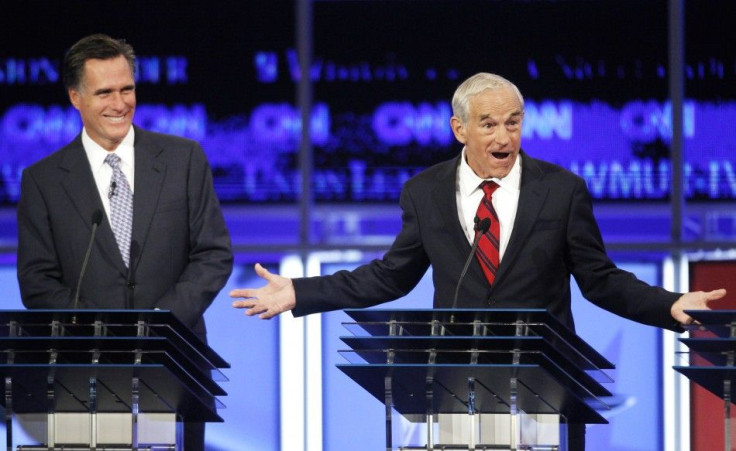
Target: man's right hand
276,297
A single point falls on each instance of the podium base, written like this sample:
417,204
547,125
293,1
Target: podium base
98,448
479,448
113,431
461,432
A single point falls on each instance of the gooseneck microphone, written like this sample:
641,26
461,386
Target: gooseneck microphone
96,220
481,227
135,250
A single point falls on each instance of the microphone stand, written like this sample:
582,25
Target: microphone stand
481,227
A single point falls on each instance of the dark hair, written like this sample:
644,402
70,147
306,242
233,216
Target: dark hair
96,46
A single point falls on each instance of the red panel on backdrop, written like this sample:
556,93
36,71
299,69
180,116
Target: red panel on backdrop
706,409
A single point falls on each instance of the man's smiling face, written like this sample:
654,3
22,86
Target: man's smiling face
106,100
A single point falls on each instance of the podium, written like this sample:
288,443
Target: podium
712,363
485,379
105,379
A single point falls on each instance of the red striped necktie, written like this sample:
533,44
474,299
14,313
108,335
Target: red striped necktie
487,251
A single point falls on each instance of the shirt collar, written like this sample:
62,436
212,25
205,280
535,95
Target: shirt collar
96,153
469,181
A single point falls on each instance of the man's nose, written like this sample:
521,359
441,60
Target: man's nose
502,136
117,101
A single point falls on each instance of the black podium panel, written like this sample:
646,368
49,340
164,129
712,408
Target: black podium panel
122,323
110,351
538,392
711,378
161,390
712,361
503,361
718,350
477,350
99,361
491,322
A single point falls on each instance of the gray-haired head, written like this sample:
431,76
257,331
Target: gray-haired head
474,86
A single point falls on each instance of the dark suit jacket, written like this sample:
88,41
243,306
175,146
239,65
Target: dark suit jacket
555,236
184,255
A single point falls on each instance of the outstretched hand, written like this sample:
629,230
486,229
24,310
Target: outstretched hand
695,300
276,297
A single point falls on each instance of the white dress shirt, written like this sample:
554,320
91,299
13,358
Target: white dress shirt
505,200
102,171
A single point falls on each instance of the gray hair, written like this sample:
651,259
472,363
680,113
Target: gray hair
96,46
474,86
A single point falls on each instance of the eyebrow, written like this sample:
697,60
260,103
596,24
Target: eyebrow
109,90
512,115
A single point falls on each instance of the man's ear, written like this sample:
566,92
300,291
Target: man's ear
458,129
75,97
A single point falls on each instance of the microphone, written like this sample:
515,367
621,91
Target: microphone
96,220
481,227
111,192
135,250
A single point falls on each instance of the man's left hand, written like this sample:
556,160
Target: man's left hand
695,300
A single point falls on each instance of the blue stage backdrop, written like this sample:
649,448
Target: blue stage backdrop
353,419
594,73
596,94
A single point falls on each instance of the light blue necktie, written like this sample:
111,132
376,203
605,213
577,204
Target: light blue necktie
121,207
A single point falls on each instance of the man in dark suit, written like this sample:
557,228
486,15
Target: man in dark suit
161,241
547,233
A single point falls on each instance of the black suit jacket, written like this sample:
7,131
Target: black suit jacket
183,248
555,236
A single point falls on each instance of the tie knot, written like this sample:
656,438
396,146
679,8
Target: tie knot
113,160
489,188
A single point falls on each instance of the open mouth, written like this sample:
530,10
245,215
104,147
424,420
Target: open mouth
500,155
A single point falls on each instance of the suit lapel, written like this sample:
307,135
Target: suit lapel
532,196
445,198
149,177
80,186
